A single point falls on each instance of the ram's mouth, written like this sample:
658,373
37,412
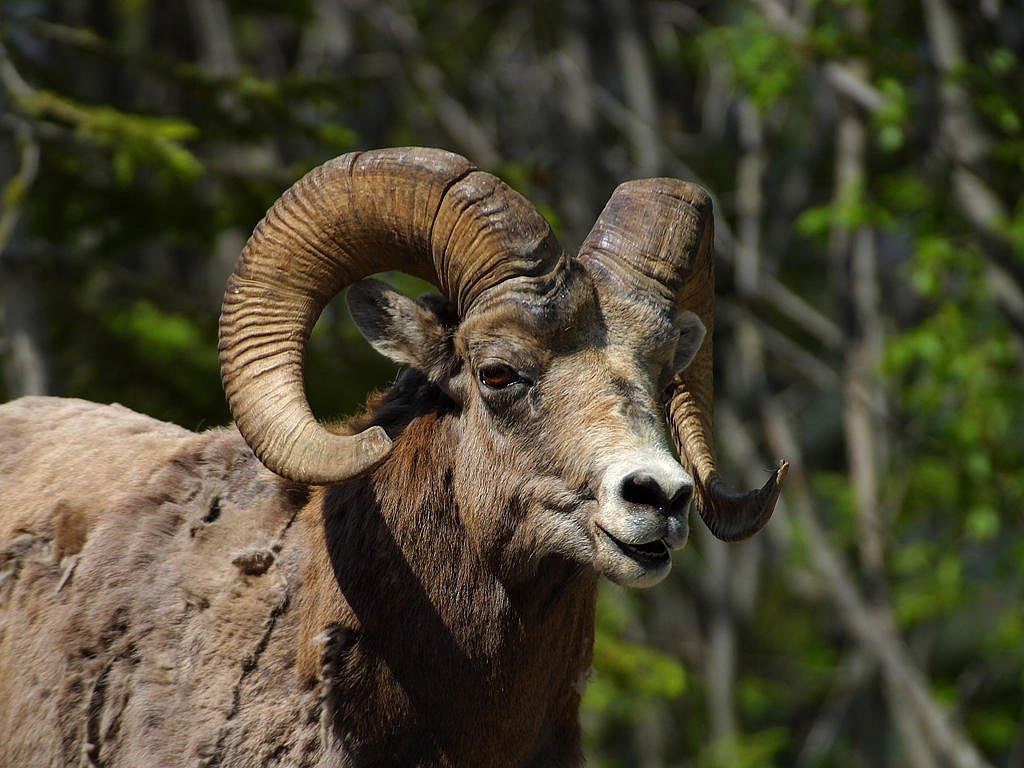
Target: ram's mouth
635,564
649,553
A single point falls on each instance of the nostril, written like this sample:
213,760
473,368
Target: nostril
642,488
680,499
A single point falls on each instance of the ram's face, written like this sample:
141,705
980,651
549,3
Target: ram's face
563,448
557,364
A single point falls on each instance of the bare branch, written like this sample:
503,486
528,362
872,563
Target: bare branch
793,307
854,87
212,26
328,41
854,278
572,75
779,18
873,630
918,752
455,118
844,80
854,672
720,643
778,345
639,90
406,39
16,189
965,143
25,365
769,290
11,79
749,198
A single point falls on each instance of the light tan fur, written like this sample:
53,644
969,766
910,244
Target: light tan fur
204,619
421,592
128,636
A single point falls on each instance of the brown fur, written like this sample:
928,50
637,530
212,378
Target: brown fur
167,601
146,646
482,668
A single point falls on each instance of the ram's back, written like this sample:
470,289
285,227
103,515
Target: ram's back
147,595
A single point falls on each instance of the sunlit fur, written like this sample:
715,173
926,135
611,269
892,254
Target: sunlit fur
452,635
166,601
496,569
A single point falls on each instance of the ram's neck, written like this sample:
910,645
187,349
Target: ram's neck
425,655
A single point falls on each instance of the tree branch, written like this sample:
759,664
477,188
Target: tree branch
843,79
965,143
769,292
17,188
854,278
25,366
874,631
637,85
407,41
856,670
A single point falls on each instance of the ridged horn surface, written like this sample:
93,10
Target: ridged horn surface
422,211
655,239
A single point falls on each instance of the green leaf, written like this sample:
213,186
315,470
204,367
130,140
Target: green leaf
982,523
993,729
815,221
755,750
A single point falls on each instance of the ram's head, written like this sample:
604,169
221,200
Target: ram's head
564,371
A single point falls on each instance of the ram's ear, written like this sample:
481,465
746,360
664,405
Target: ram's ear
413,332
691,336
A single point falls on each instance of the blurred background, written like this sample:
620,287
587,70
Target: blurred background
866,159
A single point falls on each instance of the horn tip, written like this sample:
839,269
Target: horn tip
344,457
375,444
734,517
771,490
372,446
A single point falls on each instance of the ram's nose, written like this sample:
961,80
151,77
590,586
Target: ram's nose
641,517
647,497
666,491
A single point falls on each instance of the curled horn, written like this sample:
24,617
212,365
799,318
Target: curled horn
655,237
426,212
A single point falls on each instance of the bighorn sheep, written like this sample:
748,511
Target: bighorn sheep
416,586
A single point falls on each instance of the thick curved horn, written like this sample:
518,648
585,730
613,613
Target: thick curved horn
655,237
423,211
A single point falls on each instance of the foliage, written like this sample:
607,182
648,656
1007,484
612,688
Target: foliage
627,673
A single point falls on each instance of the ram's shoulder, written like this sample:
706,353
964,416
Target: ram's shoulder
140,564
64,430
66,464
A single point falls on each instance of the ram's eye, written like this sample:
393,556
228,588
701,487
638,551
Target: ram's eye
498,376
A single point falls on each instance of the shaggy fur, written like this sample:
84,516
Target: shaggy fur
168,601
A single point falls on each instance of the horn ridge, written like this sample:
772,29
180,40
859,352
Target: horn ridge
415,209
736,516
655,238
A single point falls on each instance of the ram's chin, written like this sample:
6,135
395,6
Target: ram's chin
631,565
